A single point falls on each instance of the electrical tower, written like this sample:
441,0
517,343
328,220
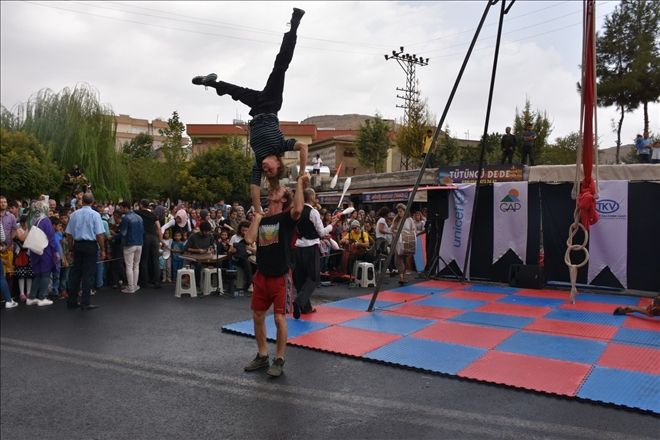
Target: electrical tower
410,94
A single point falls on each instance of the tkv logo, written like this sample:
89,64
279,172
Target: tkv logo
511,202
607,206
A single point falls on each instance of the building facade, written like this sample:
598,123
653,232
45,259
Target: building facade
128,128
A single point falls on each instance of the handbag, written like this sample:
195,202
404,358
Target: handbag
407,240
36,240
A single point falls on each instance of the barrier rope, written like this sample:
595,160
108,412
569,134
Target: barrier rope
585,213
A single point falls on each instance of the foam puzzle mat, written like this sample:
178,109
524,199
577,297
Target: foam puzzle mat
524,338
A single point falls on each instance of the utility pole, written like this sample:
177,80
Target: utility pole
410,94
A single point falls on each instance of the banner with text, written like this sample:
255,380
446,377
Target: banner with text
509,219
608,238
457,227
489,174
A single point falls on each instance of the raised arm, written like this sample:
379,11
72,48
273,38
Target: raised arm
251,234
302,148
299,197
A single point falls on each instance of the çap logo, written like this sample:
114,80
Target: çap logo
511,202
607,206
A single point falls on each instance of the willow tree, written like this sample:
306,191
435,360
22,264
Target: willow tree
77,130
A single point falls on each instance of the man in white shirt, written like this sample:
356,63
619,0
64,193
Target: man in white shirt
316,165
307,256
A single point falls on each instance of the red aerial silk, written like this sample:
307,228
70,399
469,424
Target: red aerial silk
587,196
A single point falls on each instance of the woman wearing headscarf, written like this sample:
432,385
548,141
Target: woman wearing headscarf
404,246
179,223
42,265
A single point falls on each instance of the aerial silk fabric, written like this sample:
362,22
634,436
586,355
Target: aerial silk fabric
510,219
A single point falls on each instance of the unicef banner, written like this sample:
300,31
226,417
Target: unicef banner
510,219
608,238
457,227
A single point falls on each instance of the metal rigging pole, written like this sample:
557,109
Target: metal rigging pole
410,94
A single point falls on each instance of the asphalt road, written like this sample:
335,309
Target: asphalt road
152,366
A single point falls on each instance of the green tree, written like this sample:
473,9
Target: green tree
410,136
643,32
563,151
493,153
373,141
628,60
76,129
23,170
140,146
147,177
222,172
8,120
613,69
540,124
446,152
173,152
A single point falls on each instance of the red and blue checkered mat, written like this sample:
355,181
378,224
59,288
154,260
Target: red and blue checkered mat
531,339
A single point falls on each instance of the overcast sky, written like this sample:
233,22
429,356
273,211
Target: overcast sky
141,56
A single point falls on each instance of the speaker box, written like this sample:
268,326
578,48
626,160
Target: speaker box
438,209
527,276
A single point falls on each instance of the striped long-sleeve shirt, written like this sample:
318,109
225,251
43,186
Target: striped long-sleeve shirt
266,139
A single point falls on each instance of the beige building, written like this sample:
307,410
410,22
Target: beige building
128,128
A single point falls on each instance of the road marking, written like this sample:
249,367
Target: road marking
439,418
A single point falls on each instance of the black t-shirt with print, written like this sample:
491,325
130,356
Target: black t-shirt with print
274,244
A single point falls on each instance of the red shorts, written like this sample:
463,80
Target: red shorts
277,291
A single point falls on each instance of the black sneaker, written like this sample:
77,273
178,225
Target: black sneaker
295,18
296,310
276,368
297,15
205,80
257,363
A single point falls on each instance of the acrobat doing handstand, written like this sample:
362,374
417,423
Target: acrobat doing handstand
266,139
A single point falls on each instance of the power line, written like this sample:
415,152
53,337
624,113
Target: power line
187,30
488,25
438,52
410,98
490,37
273,32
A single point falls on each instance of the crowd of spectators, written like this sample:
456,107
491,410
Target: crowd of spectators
149,238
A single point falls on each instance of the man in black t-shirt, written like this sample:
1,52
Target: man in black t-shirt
508,146
200,243
272,281
149,267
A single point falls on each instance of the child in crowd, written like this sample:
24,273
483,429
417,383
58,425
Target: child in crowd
55,274
117,271
65,263
166,247
22,266
222,246
177,248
